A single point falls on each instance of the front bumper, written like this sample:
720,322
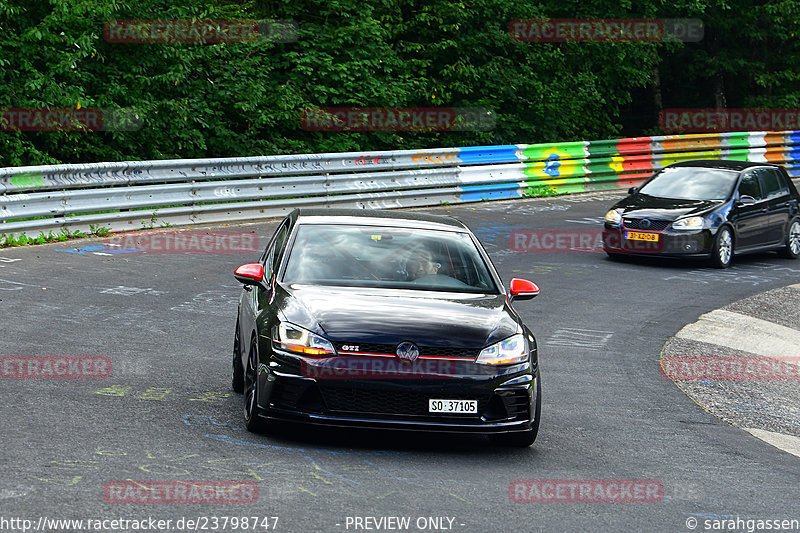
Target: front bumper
698,243
506,400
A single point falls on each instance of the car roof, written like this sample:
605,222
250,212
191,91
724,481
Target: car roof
375,217
722,164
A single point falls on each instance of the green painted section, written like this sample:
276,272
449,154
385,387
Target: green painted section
736,140
561,151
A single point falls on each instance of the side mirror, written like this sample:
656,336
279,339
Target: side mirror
745,200
522,289
250,274
633,190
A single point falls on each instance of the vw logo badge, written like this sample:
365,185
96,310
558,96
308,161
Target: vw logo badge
407,351
645,223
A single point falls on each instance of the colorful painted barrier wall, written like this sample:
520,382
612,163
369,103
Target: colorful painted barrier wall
583,166
127,195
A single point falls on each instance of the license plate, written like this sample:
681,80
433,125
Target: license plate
638,236
453,406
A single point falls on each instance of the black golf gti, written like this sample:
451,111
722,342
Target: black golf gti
708,208
384,319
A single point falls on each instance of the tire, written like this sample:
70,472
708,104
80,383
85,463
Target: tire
615,256
237,379
523,439
722,251
792,248
252,421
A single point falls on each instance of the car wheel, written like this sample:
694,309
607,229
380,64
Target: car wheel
614,256
792,249
523,439
237,381
252,421
722,251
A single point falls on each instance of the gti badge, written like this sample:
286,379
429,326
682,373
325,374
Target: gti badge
407,351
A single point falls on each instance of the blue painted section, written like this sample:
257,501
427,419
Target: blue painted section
481,155
792,153
100,248
203,420
551,167
488,235
494,191
239,442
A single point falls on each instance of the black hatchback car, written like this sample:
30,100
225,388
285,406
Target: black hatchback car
708,208
384,319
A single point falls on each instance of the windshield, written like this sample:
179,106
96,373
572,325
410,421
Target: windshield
691,183
387,257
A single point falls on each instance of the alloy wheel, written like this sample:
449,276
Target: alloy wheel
725,247
794,238
250,386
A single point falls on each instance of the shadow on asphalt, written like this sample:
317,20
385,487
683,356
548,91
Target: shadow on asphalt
693,263
289,434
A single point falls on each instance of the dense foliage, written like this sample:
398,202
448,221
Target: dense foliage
246,98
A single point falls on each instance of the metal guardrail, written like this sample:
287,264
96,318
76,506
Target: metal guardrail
131,195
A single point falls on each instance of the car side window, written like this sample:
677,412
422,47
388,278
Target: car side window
750,186
280,241
272,254
772,183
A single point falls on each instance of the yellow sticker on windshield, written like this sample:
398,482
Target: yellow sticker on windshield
375,237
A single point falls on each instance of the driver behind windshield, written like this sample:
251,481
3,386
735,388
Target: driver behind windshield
421,264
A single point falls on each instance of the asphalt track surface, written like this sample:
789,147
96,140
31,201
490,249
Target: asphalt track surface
166,412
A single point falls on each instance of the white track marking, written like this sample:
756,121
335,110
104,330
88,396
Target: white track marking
787,443
742,332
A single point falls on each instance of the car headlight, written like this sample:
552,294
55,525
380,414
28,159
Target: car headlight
506,352
614,217
298,340
689,223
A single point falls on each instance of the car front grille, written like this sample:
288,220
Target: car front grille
341,399
645,224
385,402
424,351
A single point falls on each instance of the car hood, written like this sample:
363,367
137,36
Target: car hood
644,206
388,316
